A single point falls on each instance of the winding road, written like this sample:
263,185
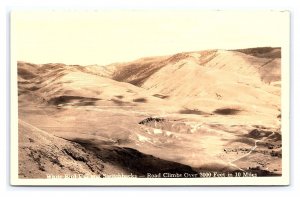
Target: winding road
251,150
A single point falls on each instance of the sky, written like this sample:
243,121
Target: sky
109,36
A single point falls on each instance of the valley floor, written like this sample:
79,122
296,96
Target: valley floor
146,141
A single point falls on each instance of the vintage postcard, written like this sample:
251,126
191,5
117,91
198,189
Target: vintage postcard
150,97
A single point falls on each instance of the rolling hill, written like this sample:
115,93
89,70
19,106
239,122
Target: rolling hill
188,112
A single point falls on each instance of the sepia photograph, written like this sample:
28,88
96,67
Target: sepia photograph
149,97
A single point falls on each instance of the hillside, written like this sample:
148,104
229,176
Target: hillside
212,78
213,110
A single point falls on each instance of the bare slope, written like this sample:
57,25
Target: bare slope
243,61
245,80
42,154
59,84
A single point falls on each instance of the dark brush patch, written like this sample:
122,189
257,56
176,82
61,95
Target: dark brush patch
140,100
119,96
160,96
121,103
227,111
67,99
258,134
75,156
193,111
151,119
